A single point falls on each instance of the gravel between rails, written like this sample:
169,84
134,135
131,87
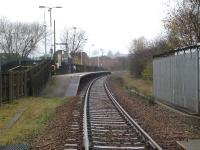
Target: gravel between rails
163,125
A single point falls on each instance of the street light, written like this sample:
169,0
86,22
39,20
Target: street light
101,57
81,58
45,30
49,9
98,57
74,38
81,55
90,54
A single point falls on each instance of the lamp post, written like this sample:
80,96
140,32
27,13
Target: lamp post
49,9
90,54
45,30
82,54
101,57
81,57
98,58
74,38
72,50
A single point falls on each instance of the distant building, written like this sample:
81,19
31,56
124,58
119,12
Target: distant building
62,56
104,61
85,58
114,63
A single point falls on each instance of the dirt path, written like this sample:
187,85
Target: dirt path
13,119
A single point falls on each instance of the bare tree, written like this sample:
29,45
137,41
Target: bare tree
138,44
74,40
141,54
19,38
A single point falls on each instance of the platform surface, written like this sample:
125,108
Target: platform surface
193,144
64,85
73,85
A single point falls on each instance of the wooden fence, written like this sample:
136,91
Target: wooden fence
21,62
29,80
23,81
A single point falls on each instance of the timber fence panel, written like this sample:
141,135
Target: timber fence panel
30,80
19,82
39,77
0,88
5,87
10,86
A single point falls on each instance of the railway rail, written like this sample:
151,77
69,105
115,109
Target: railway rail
107,125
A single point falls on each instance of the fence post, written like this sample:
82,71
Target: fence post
0,88
10,86
22,83
17,84
32,88
29,87
25,83
198,101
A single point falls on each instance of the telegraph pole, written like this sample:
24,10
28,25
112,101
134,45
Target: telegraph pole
45,30
54,50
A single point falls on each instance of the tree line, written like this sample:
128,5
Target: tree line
182,27
20,39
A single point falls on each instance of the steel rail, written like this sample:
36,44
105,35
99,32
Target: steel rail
132,121
85,124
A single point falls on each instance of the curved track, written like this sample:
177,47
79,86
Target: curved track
107,125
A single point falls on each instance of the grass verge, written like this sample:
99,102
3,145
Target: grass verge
129,82
39,111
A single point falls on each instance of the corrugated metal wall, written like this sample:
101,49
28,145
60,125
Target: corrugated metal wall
175,80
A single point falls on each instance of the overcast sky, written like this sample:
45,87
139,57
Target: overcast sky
110,24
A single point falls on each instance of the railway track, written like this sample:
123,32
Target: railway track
107,125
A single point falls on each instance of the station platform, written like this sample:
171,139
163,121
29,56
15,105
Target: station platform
190,144
66,84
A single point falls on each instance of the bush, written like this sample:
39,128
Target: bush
148,71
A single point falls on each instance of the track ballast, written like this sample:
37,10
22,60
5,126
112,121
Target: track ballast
107,125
